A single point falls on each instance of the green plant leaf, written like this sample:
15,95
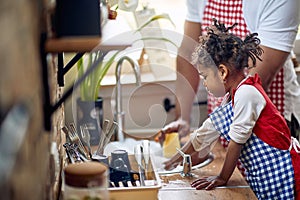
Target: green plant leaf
89,88
157,38
154,18
80,68
102,72
85,92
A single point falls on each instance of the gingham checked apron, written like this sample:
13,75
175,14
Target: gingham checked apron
269,177
230,12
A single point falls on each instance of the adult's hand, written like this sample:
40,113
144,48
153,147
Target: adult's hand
180,126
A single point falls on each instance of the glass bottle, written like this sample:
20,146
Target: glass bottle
85,181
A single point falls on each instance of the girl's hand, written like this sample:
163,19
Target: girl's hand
171,164
208,183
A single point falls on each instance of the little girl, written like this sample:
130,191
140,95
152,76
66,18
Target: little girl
257,133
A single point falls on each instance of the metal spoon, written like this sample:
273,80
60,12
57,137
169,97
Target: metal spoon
102,137
106,138
85,134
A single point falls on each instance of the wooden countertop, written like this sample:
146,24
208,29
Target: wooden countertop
176,187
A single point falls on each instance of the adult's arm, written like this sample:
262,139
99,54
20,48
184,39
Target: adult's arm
272,61
187,75
276,22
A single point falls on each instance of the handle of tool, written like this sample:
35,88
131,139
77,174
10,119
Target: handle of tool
180,152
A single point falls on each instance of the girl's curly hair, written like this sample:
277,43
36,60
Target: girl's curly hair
221,47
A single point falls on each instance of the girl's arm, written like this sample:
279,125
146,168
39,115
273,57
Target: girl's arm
232,156
201,141
177,158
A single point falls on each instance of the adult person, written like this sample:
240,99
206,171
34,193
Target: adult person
275,21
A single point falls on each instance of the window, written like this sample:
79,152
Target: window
156,58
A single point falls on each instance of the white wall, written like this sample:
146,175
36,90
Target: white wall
143,106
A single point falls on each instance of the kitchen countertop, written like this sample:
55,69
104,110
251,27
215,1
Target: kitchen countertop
176,187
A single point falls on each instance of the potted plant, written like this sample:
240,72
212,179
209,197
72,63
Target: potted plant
89,105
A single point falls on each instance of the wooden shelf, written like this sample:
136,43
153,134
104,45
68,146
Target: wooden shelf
80,44
112,39
72,44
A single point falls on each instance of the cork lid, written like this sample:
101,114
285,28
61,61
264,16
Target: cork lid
85,174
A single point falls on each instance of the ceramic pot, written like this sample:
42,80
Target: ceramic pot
90,113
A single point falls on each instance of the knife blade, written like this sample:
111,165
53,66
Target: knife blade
146,155
138,158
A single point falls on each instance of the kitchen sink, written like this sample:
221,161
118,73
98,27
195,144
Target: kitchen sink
156,155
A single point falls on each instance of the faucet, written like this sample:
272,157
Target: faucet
186,163
119,114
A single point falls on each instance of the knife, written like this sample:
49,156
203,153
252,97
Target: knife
138,158
146,155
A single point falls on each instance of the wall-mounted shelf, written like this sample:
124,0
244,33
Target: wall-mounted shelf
78,45
84,44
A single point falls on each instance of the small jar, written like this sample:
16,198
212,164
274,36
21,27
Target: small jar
85,181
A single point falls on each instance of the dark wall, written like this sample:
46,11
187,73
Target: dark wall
32,175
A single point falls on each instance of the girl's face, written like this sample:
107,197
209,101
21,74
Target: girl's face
212,81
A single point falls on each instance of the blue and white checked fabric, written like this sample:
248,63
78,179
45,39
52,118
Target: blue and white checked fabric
269,170
222,119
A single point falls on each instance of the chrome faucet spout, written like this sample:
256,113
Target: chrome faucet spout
186,163
119,113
